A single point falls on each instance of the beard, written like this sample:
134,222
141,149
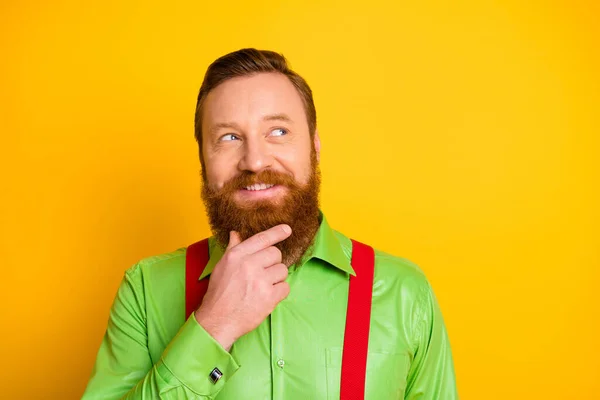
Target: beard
298,207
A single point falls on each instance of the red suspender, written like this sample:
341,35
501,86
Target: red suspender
358,323
196,258
358,316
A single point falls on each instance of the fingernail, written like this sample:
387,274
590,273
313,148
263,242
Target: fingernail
287,229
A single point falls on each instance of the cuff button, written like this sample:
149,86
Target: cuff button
215,375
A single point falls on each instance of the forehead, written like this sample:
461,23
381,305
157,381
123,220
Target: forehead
248,99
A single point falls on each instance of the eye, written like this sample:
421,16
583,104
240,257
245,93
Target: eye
229,137
279,132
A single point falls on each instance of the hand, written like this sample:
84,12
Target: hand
245,286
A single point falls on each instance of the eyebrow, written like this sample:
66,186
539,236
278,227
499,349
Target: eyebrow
277,117
233,125
221,125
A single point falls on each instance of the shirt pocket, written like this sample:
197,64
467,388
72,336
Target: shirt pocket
386,374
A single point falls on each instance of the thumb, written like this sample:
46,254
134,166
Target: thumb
234,239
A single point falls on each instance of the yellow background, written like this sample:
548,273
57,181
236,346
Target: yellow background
463,135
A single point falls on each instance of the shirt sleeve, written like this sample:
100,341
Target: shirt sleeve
124,369
431,374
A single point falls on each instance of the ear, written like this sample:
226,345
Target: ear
317,144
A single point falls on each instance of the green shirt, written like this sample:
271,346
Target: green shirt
149,351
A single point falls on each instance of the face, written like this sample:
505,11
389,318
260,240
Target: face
253,124
260,163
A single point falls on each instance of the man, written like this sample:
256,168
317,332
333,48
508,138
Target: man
279,319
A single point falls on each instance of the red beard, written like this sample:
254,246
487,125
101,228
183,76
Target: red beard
299,208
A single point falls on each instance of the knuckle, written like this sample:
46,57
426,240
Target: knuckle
275,252
263,238
284,270
231,254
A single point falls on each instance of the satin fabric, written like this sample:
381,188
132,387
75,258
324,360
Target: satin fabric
150,352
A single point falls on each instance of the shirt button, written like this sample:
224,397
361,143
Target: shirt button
280,363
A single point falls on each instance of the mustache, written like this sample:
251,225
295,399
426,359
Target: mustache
269,177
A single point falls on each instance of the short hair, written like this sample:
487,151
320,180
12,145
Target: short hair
247,62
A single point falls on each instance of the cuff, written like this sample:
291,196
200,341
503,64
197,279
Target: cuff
193,354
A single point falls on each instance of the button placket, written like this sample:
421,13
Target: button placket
278,344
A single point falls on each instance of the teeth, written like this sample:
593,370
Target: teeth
259,186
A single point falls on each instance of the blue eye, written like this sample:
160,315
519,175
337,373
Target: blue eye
279,132
229,137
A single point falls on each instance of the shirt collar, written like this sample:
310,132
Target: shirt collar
326,247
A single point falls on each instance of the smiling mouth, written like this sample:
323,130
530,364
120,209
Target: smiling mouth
259,186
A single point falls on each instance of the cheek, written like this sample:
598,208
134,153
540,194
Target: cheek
218,171
297,162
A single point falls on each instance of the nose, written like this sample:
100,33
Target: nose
256,156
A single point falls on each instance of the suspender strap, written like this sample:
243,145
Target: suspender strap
196,258
358,323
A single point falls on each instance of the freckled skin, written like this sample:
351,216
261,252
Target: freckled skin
251,141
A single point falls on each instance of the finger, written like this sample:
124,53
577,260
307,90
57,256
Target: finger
264,239
277,273
265,258
234,239
281,290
